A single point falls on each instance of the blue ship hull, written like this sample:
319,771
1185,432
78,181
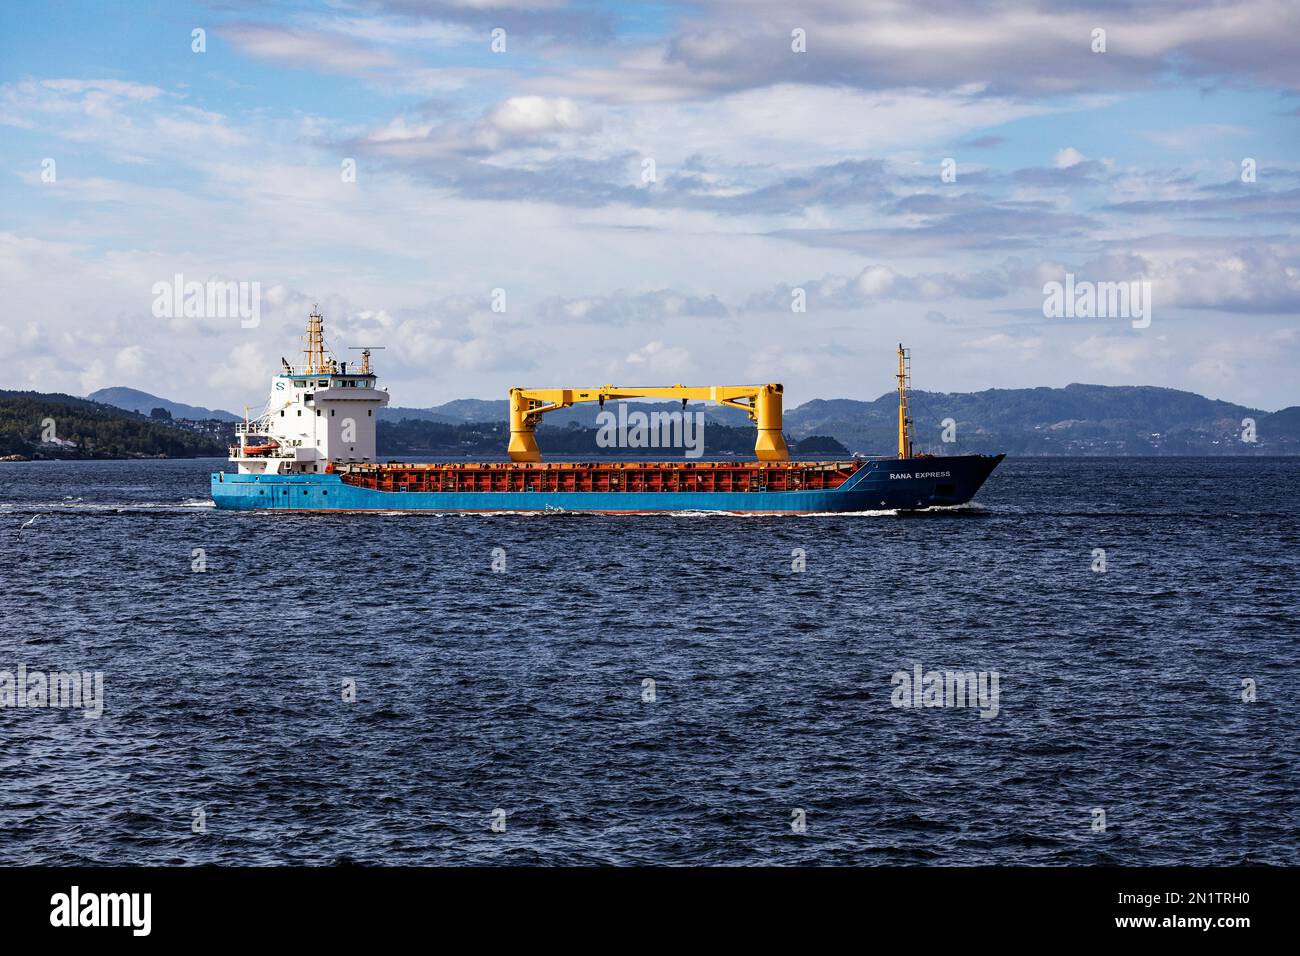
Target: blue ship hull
886,483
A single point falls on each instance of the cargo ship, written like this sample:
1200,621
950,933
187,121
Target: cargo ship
313,449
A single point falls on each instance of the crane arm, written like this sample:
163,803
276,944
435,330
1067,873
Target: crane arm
762,403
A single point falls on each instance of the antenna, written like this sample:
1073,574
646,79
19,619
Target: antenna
365,351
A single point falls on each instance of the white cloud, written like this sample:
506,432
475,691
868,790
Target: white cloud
245,370
1022,348
660,359
131,361
1041,49
787,124
1111,354
306,49
530,115
1068,157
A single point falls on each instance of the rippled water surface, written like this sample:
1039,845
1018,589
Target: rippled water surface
522,691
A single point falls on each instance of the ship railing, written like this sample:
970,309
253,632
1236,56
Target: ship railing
237,451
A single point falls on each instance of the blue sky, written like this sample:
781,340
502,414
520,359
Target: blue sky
774,170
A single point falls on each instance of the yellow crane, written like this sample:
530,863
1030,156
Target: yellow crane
761,402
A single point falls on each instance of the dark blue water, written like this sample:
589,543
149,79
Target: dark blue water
522,691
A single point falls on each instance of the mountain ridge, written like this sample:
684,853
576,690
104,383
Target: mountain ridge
55,425
1078,418
134,400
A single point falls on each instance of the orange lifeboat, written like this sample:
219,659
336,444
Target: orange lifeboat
261,449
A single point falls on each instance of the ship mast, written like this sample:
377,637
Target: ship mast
904,410
315,349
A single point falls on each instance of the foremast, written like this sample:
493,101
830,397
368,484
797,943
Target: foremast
904,402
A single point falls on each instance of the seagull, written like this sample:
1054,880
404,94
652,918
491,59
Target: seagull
29,523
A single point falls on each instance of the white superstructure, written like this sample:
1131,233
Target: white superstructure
319,414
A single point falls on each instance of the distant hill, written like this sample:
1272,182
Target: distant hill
1075,420
41,425
1285,422
394,414
472,410
134,400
